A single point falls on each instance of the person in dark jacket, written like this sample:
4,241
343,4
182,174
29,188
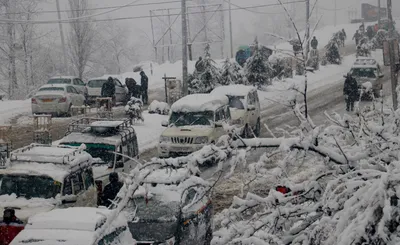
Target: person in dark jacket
199,65
108,89
131,85
357,36
111,190
314,43
144,83
350,91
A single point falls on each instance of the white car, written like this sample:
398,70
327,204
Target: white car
195,120
56,99
76,82
244,105
74,226
94,86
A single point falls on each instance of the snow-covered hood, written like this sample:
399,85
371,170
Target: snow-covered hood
192,131
25,208
361,80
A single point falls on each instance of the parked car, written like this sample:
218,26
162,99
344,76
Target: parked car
73,226
94,86
196,120
167,210
76,82
367,70
39,178
56,99
244,106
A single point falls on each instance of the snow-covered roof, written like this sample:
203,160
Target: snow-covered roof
365,62
56,85
233,90
199,102
88,138
76,218
53,237
167,176
65,77
112,124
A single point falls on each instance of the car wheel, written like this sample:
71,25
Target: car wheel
208,238
257,130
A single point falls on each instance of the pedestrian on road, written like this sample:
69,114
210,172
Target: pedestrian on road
111,190
108,89
350,91
314,43
130,84
144,83
357,37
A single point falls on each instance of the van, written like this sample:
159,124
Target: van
39,178
245,109
195,121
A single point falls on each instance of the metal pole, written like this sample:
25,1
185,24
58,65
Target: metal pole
379,14
307,29
152,32
393,61
230,28
184,49
223,31
204,16
170,38
66,67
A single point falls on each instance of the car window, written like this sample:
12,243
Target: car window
76,82
190,196
51,89
251,100
228,113
87,176
77,183
218,115
59,81
72,90
81,82
67,189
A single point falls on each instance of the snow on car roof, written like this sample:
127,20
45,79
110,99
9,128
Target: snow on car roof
167,176
65,77
76,218
56,172
233,90
365,62
55,85
112,124
88,138
53,237
199,102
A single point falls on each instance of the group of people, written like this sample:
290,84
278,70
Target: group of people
135,90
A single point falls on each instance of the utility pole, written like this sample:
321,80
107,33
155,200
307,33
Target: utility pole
184,49
393,61
230,28
335,12
307,29
66,67
170,38
379,14
204,16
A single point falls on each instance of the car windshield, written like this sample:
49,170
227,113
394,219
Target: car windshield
102,151
155,220
51,89
28,186
180,119
59,81
236,102
364,72
96,83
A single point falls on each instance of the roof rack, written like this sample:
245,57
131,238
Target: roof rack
23,154
365,61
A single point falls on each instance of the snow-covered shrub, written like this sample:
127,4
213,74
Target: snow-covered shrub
161,108
281,65
232,73
257,69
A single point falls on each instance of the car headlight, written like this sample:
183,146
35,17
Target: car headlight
201,140
164,139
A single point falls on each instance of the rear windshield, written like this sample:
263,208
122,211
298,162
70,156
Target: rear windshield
96,83
364,72
236,102
51,89
59,81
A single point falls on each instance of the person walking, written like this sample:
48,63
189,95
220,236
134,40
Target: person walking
314,43
350,91
130,84
144,83
111,190
199,65
357,37
108,89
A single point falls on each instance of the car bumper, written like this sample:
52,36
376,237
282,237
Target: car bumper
50,108
176,150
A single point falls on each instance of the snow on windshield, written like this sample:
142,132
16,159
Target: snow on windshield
59,81
180,119
364,72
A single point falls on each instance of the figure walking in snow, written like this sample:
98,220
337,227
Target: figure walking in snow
144,83
199,65
108,89
314,43
130,84
350,91
111,190
357,37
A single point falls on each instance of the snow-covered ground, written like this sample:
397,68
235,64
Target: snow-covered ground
12,108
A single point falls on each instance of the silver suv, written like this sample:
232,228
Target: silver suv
367,69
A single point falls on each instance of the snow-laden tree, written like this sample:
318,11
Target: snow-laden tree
257,69
206,75
232,73
343,179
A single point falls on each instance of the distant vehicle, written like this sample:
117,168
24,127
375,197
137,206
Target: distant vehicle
103,138
73,226
367,70
39,178
166,211
246,51
195,120
94,86
244,106
76,82
56,99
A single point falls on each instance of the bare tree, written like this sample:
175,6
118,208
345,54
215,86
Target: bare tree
81,36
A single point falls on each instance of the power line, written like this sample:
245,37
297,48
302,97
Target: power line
260,6
3,21
98,8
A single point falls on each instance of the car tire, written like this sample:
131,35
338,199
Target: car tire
209,236
257,129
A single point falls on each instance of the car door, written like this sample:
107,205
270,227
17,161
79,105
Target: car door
219,119
118,90
83,198
258,107
75,83
71,93
251,110
78,97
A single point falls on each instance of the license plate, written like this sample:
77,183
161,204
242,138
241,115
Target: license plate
47,100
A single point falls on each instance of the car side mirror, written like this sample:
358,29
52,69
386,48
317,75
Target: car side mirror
164,123
69,199
381,75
